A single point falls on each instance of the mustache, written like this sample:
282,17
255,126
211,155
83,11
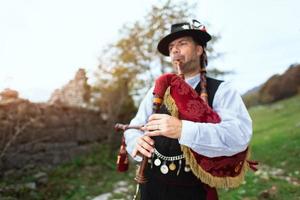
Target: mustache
177,58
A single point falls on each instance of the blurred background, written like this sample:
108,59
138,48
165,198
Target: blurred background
69,70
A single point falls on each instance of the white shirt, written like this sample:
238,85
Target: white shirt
227,138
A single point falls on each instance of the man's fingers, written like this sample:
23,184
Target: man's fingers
148,140
153,133
144,152
151,127
140,151
144,146
156,117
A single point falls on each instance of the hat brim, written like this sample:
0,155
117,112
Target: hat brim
200,37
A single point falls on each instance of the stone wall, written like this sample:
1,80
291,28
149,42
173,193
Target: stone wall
9,95
43,134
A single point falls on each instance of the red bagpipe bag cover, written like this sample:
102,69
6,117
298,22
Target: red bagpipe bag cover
184,102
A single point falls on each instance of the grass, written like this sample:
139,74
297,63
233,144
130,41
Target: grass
277,134
83,178
275,145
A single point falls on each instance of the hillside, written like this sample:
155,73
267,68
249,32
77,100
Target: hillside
276,88
275,145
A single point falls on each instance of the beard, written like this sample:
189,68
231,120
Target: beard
190,66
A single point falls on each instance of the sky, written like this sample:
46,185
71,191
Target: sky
43,43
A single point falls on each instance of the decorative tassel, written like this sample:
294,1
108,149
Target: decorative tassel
122,161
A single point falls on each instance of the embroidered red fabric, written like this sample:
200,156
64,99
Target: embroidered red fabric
192,107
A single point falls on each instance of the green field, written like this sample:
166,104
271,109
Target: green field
275,144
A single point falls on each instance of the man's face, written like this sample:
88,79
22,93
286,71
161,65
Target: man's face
187,52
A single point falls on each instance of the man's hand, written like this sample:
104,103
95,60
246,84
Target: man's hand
144,146
163,124
158,124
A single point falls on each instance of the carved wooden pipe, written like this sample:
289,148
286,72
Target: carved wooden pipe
140,176
124,127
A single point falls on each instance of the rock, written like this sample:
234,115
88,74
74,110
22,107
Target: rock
269,193
277,172
31,186
9,94
121,187
41,178
9,173
121,184
104,196
265,176
121,190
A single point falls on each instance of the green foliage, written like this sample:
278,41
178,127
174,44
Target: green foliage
114,100
128,67
135,52
143,36
83,178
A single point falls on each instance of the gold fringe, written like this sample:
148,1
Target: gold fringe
213,181
170,103
205,177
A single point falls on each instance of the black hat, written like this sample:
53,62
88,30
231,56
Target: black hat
195,30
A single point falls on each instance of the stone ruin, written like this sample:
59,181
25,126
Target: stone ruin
47,134
8,95
74,94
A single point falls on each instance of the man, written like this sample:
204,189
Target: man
168,174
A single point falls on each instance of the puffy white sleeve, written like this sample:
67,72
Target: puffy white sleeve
227,138
141,118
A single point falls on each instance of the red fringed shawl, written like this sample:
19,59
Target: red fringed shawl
184,102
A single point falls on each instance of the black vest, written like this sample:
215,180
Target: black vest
171,147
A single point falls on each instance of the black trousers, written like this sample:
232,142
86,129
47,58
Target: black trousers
157,190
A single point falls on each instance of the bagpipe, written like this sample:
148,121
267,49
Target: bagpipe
183,102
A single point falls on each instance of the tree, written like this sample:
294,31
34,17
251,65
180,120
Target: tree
111,95
129,66
142,38
136,49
